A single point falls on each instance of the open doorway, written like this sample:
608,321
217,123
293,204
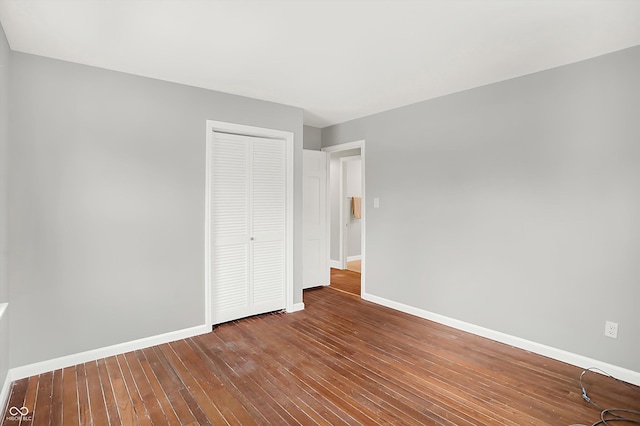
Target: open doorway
347,216
350,169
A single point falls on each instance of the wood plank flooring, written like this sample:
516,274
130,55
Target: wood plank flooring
355,266
344,280
340,361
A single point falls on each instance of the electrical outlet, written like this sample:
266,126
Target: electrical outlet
611,329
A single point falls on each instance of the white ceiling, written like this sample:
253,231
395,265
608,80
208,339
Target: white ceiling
336,59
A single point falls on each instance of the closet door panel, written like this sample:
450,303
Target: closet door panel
268,275
268,188
268,213
248,226
230,228
232,278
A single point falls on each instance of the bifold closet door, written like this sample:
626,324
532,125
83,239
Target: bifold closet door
248,223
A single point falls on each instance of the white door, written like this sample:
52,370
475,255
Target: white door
315,253
248,226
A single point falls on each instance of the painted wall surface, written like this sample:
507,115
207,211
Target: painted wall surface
515,206
334,196
353,185
107,202
4,142
312,138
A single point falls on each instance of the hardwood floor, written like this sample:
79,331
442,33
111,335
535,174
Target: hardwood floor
344,280
340,361
355,266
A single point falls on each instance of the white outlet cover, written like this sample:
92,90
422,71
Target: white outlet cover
611,329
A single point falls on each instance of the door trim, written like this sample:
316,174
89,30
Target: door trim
345,147
244,130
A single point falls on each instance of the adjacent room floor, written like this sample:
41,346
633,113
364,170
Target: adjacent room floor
355,265
340,361
345,280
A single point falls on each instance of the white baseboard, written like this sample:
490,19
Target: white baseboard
621,373
297,307
4,393
6,386
18,373
336,264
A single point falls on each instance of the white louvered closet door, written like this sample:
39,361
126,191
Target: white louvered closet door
248,207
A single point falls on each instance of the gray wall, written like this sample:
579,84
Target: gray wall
4,141
312,138
514,206
107,199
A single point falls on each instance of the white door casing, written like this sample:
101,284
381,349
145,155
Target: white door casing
347,147
249,251
315,249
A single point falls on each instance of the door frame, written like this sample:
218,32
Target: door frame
245,130
363,223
